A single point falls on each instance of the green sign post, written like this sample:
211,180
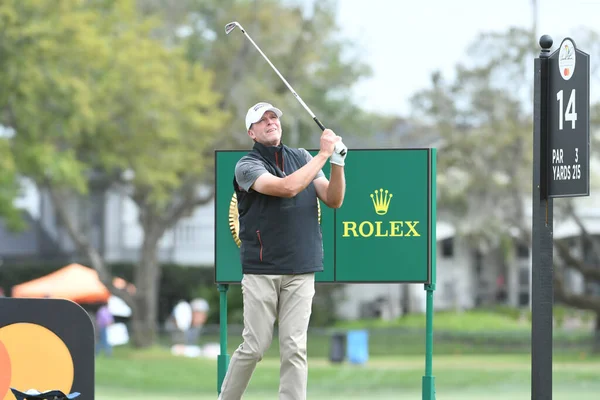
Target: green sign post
383,233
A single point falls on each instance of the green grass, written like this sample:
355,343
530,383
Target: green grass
472,321
477,355
156,375
411,341
512,394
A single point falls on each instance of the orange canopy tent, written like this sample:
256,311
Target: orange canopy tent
73,282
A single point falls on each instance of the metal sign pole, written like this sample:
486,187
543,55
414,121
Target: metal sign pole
428,381
560,169
542,219
223,358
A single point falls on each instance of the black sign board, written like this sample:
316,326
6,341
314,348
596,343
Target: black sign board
568,122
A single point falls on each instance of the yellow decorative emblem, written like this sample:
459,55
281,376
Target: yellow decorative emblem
381,201
234,221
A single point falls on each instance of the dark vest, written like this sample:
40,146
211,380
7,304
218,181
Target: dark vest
279,236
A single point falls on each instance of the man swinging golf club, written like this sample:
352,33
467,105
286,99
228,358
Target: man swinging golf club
282,247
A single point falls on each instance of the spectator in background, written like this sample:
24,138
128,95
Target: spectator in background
104,319
200,310
179,322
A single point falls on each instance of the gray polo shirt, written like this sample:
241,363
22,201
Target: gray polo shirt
247,170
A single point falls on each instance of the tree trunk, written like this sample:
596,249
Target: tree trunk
405,300
596,344
85,247
147,278
155,222
513,282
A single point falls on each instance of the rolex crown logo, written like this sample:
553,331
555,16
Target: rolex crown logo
381,201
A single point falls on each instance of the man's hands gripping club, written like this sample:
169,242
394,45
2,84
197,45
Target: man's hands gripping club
331,192
332,146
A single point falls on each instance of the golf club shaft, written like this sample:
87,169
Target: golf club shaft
286,82
230,27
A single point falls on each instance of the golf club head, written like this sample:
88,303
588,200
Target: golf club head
231,26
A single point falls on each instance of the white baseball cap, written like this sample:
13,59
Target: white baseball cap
200,305
256,112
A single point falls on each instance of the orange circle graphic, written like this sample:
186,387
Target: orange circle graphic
36,358
5,372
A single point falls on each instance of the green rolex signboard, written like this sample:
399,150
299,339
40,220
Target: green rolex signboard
382,233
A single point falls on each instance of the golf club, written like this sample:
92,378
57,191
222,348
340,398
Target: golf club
230,27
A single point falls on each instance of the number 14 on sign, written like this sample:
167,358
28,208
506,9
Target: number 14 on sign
569,114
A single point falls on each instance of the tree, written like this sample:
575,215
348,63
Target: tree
120,103
9,187
91,94
322,67
483,121
303,42
485,130
579,256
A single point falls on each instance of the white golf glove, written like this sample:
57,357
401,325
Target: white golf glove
337,158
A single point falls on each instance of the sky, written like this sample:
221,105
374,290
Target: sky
405,41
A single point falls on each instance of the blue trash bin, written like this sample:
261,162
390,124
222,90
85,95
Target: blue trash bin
357,347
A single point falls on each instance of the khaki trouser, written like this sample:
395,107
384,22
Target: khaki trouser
288,297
